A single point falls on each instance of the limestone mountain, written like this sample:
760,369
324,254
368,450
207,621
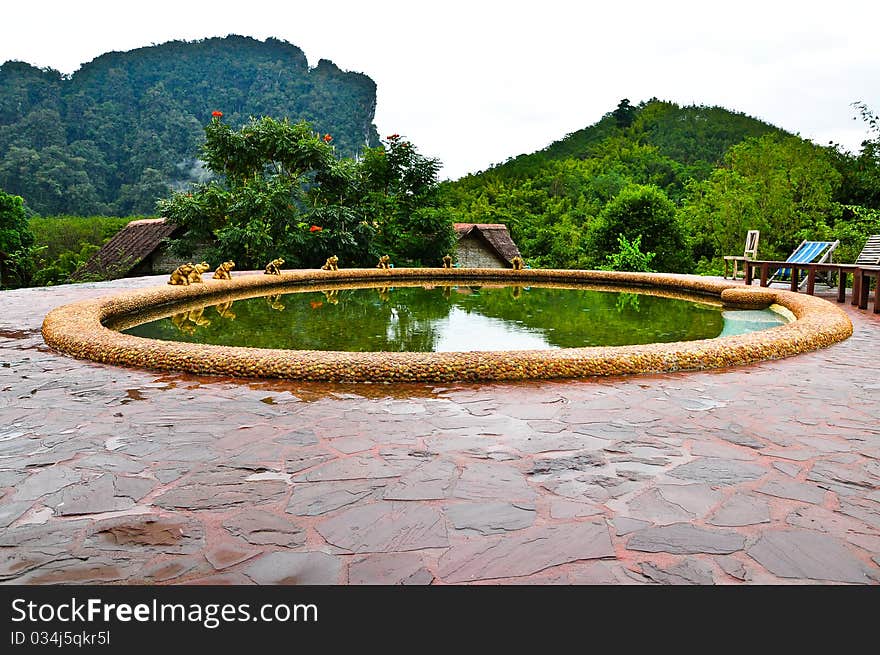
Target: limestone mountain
125,128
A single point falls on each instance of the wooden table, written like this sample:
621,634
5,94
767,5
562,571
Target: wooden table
865,275
843,270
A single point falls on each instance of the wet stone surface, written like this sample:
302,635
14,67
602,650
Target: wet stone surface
737,476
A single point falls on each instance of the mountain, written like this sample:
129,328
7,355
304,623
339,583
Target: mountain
126,127
695,136
557,200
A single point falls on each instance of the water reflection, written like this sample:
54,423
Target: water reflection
448,318
275,302
224,310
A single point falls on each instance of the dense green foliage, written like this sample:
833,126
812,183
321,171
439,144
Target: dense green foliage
123,130
642,215
280,191
64,243
720,174
16,242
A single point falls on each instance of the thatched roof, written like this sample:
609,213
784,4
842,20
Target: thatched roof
494,235
128,247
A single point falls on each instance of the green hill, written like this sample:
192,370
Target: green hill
126,127
695,136
718,171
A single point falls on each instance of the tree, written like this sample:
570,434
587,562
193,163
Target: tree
642,214
281,191
781,185
16,242
401,196
264,196
625,113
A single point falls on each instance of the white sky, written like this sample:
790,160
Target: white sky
475,82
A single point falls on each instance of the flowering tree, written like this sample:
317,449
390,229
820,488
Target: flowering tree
280,191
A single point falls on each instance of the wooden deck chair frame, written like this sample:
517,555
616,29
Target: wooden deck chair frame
750,252
806,253
870,255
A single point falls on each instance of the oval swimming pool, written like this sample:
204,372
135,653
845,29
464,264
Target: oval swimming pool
452,318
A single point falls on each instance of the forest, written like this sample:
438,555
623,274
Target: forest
125,128
658,186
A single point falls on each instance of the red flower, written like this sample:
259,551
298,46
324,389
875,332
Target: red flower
315,304
392,137
315,228
217,114
327,138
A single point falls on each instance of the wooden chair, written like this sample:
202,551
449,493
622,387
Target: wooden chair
750,252
870,255
815,252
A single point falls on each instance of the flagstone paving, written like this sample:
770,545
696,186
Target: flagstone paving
767,474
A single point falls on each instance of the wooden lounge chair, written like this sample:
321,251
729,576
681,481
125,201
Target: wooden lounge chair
870,255
750,252
809,252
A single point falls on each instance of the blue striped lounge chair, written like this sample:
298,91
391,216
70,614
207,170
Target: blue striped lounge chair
809,252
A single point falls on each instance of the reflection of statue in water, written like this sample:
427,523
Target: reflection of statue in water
383,294
224,310
447,291
181,322
275,302
384,262
628,301
274,267
331,296
195,275
332,264
516,292
447,261
197,316
517,263
187,322
222,272
180,276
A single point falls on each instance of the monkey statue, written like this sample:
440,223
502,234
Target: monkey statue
384,262
222,272
195,276
517,263
447,261
332,264
180,276
274,267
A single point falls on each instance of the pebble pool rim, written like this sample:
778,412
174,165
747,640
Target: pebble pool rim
85,330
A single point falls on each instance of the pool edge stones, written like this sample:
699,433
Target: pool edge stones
78,329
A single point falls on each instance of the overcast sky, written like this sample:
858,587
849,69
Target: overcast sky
475,82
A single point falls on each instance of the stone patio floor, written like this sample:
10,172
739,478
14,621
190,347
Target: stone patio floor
767,474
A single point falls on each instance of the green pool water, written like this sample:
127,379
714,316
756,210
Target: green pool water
453,318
